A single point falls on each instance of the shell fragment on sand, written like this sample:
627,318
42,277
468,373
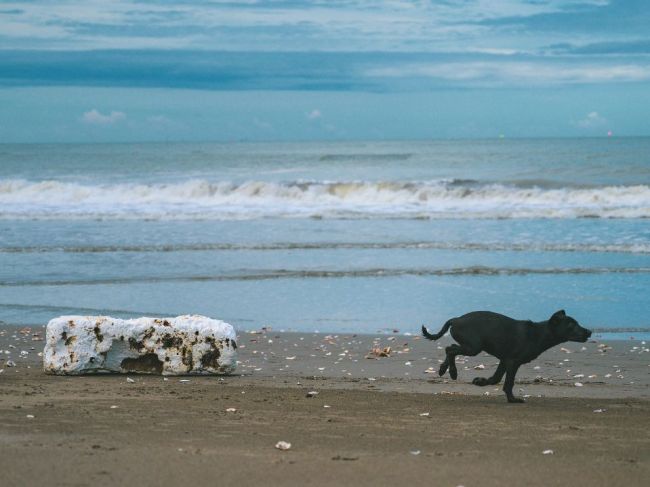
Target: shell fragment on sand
283,445
189,344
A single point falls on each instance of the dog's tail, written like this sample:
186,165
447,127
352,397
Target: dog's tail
442,331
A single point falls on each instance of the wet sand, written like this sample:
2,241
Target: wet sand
374,421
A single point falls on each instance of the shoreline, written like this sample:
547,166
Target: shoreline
601,368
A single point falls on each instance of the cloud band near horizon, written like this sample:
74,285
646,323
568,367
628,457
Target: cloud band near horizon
377,71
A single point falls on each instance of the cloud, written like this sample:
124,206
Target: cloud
314,114
157,120
337,45
320,71
347,25
513,72
185,69
591,120
95,117
636,47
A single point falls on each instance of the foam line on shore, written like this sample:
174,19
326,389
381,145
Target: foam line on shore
251,275
633,248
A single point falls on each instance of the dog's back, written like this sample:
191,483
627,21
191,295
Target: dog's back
494,333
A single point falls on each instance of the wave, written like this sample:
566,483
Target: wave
365,157
68,310
625,329
201,199
635,248
252,275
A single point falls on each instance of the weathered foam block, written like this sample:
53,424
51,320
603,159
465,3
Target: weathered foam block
189,344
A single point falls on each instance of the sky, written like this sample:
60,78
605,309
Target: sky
129,70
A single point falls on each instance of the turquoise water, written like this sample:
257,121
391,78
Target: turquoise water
353,237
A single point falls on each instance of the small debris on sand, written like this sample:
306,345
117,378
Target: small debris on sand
283,445
378,352
346,459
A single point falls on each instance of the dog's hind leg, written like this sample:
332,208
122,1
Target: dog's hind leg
511,371
450,361
443,367
495,379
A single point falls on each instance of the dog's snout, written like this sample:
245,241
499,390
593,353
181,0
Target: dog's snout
583,335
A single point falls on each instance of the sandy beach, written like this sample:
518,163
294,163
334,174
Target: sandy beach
373,421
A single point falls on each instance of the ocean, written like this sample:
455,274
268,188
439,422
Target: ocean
349,237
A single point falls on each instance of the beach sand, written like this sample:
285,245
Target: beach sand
373,422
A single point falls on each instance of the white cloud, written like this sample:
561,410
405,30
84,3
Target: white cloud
517,72
314,114
592,119
158,120
95,117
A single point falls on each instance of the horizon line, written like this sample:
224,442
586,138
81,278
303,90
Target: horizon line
341,140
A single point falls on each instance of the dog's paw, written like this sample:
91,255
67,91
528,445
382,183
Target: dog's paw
442,370
515,400
480,381
453,373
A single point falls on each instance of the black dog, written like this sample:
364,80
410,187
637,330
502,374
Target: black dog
514,342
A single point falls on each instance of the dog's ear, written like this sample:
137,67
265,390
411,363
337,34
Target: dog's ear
557,317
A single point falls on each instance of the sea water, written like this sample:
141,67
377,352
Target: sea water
337,237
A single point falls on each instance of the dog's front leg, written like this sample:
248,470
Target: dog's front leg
511,371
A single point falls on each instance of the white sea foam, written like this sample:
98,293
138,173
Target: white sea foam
625,248
259,199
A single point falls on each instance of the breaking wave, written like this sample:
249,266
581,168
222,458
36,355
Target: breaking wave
201,199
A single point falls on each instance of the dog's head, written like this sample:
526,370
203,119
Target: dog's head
567,328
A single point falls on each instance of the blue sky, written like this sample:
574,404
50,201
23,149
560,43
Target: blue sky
129,70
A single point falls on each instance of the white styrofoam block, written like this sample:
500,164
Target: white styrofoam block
189,344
